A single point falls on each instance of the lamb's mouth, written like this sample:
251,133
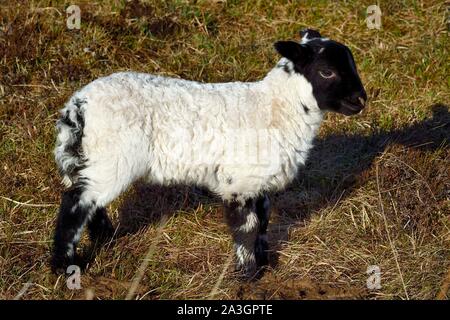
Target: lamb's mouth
349,108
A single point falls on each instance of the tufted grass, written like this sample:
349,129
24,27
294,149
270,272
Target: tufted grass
375,190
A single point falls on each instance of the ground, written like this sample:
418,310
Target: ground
375,191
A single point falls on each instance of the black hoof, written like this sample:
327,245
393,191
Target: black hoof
247,272
59,263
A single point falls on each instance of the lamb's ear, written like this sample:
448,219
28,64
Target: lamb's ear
307,34
293,51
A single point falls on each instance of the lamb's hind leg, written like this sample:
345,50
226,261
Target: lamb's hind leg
82,204
73,215
243,222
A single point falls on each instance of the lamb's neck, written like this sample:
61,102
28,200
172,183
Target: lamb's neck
294,109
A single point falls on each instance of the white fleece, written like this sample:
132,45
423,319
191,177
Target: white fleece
238,139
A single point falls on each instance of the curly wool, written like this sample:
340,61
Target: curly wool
237,139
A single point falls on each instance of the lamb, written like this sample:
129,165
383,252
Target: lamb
240,140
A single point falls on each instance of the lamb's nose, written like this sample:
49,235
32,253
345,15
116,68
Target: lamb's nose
359,98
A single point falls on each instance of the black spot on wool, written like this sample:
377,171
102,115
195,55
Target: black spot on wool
74,149
305,108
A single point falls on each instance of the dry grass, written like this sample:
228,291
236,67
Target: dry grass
375,191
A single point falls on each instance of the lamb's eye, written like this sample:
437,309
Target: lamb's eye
327,74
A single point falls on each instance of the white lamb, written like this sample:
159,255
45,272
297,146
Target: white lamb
240,140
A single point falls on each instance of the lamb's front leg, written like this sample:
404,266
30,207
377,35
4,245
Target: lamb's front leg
245,226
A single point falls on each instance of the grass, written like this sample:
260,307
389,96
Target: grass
374,192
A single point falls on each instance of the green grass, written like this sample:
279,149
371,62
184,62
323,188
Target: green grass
375,191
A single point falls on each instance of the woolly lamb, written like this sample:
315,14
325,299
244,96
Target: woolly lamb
240,140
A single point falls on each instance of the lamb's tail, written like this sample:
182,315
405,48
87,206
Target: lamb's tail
68,151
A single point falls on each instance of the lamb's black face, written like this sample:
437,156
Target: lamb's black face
330,68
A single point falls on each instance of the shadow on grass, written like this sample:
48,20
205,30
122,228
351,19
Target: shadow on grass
331,173
337,163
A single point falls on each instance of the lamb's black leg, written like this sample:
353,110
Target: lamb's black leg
100,227
261,245
244,225
72,217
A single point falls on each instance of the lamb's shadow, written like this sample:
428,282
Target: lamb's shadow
331,172
146,205
336,164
